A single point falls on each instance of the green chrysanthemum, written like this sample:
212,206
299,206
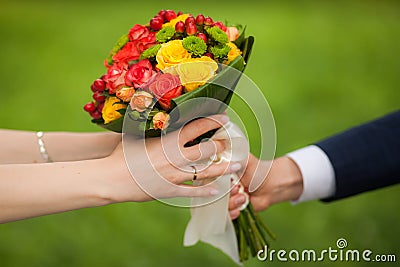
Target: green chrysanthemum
150,52
217,35
165,34
194,45
220,52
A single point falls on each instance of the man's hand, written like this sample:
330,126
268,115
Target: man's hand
283,182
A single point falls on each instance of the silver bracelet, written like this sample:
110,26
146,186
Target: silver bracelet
42,148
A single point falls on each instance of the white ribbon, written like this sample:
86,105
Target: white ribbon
211,223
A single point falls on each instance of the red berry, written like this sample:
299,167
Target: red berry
208,21
179,13
161,13
220,25
202,36
169,14
100,106
191,29
89,107
209,55
159,17
96,115
200,19
156,24
180,27
99,97
190,20
98,85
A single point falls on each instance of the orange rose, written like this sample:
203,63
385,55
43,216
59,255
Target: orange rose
125,93
160,121
233,33
141,100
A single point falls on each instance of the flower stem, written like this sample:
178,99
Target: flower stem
251,233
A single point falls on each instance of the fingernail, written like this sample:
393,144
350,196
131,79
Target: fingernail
224,119
214,192
236,167
240,200
234,213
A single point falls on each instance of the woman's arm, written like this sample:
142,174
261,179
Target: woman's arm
22,146
29,190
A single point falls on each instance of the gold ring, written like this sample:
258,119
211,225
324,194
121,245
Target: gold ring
194,173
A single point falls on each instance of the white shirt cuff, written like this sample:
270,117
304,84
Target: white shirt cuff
317,171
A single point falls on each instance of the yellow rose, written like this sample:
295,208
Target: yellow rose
171,54
174,21
109,111
233,53
195,72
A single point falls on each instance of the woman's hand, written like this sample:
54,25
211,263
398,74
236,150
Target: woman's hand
158,167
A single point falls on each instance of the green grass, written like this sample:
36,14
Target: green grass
324,66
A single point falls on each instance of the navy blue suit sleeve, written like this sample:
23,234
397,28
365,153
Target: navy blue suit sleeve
366,157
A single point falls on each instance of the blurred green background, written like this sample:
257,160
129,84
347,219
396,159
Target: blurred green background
323,65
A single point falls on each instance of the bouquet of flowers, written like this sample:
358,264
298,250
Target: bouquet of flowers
155,67
150,70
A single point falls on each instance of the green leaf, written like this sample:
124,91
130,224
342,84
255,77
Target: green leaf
115,126
238,42
150,124
142,126
154,112
134,114
122,111
106,93
98,120
246,47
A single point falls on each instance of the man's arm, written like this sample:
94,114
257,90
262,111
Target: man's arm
358,160
366,157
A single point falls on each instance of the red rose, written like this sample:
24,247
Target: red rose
139,73
142,37
146,42
165,87
137,32
128,53
115,78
